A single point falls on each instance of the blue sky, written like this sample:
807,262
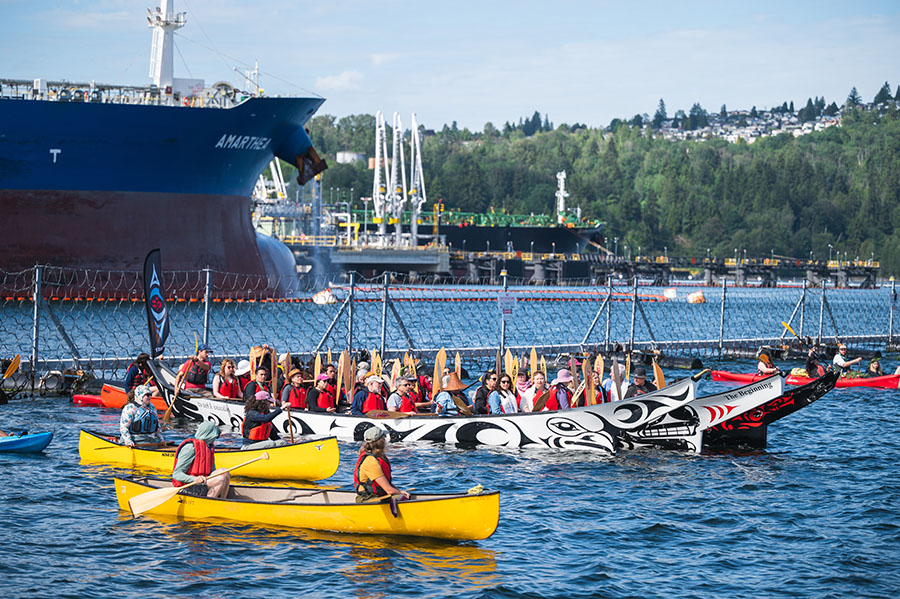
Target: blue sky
475,62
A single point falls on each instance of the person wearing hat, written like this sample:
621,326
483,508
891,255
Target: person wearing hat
257,429
874,368
560,392
370,398
640,385
194,373
295,393
195,461
372,473
242,372
139,420
840,359
450,400
225,385
765,367
260,383
318,398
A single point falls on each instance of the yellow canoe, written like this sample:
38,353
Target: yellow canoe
306,460
457,517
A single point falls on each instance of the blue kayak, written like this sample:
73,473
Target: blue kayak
25,443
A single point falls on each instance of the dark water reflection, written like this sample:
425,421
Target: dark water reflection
813,516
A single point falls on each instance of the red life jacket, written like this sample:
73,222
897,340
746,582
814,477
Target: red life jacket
195,377
373,401
371,487
424,390
244,380
260,432
297,397
552,401
232,389
140,378
204,460
326,398
408,403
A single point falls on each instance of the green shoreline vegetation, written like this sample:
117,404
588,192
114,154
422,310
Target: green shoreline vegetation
791,196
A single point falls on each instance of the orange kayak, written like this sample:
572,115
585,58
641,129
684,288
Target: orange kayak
112,396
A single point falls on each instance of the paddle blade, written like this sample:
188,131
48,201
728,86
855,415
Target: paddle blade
151,499
395,373
788,327
13,366
541,401
458,365
628,365
532,362
515,369
439,361
507,362
544,366
599,364
588,382
659,379
329,357
317,366
340,380
616,379
154,300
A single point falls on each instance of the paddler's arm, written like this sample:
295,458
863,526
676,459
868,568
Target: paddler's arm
389,488
125,424
185,459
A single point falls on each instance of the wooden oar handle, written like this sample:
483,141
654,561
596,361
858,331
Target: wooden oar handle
701,374
264,456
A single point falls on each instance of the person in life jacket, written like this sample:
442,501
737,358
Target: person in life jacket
813,369
139,420
242,373
600,392
560,392
372,473
537,389
295,393
138,374
370,398
193,373
641,385
257,428
403,399
260,383
195,461
319,398
225,384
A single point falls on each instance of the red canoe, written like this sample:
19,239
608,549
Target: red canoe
87,400
890,381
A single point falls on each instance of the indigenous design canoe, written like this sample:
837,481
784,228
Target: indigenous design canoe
593,428
307,460
751,428
888,381
683,428
25,443
457,516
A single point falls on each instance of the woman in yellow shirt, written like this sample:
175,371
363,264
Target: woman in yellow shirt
372,474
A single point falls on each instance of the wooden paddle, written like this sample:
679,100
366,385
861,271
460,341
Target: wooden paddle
457,366
378,414
541,401
590,396
439,361
287,371
788,327
628,365
329,357
507,362
544,366
395,374
13,367
149,500
574,401
616,379
461,405
515,371
532,363
317,366
659,379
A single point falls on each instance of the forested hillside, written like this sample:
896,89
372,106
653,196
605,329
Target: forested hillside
783,194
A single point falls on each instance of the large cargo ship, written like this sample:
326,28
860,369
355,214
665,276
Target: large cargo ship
94,176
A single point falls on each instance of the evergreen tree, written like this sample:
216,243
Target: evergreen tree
791,107
723,113
753,113
832,109
897,96
698,118
808,112
853,98
547,125
784,107
884,94
637,121
660,115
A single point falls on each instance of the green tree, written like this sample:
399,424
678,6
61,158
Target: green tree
853,98
883,95
753,113
660,115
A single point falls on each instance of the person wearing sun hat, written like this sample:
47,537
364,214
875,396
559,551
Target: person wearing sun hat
372,473
450,400
640,385
840,360
295,393
560,393
242,373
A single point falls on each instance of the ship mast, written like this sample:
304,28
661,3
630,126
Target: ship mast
379,191
398,193
164,21
417,182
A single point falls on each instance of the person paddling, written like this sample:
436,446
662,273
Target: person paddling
257,428
372,473
193,374
840,360
139,421
195,461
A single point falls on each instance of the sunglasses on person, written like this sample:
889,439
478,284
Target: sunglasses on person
505,382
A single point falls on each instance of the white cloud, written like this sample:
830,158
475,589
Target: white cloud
345,81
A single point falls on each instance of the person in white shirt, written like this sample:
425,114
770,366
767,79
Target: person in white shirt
840,359
538,387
